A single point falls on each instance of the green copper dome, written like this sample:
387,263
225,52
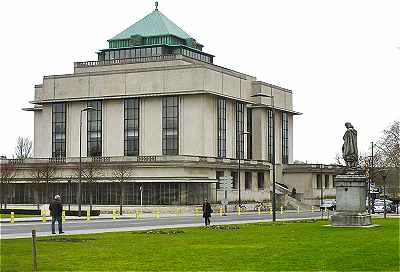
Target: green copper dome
154,24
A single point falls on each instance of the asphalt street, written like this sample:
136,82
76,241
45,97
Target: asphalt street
98,225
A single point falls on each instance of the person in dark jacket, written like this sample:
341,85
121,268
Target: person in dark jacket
207,212
56,213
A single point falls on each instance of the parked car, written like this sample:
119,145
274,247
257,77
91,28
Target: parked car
379,206
329,204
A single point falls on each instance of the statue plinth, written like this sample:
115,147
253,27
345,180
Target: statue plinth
351,192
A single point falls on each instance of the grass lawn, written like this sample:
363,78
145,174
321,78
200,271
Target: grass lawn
305,245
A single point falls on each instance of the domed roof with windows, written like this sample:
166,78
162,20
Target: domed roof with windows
153,36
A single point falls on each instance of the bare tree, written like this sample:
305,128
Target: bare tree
48,172
122,172
24,148
388,146
36,174
91,172
7,174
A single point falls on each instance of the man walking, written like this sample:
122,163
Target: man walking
207,212
56,212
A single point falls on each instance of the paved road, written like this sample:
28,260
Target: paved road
24,229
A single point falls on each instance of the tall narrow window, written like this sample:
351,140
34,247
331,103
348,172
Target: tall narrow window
326,181
221,138
170,125
239,130
58,130
94,129
260,180
270,132
218,175
247,180
249,136
285,138
319,181
234,176
131,124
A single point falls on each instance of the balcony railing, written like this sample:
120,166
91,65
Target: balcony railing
152,159
87,64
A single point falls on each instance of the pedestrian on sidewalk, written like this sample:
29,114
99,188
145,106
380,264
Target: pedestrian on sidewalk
56,212
207,212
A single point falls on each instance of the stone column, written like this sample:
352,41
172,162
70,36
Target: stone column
351,194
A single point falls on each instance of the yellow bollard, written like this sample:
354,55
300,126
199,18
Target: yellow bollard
114,216
43,216
88,215
238,211
259,211
221,211
138,214
12,220
312,208
298,209
63,219
281,209
178,211
270,210
158,214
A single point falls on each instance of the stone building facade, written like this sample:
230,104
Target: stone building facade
155,101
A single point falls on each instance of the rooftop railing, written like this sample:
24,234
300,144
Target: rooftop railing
87,64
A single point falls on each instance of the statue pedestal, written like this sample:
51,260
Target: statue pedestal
351,194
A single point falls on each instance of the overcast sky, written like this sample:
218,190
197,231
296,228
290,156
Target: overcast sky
340,58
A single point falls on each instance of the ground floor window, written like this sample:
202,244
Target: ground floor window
260,180
107,193
247,180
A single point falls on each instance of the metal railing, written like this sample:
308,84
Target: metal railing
150,159
87,64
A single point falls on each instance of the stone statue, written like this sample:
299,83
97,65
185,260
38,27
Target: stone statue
349,149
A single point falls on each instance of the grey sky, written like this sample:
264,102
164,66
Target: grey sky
340,58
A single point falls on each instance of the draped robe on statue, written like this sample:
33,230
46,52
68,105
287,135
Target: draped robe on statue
349,149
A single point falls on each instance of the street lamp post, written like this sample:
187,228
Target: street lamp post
322,191
80,161
273,151
370,177
384,175
240,135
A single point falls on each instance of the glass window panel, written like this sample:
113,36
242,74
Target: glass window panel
131,116
122,54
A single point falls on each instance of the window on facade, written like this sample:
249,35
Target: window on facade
270,132
234,176
239,130
285,138
260,180
326,181
116,54
218,175
221,123
131,127
122,54
94,129
58,130
249,136
247,180
170,125
319,181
